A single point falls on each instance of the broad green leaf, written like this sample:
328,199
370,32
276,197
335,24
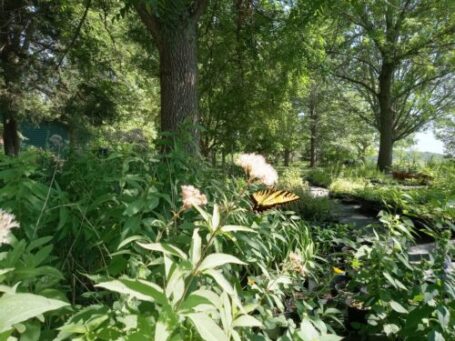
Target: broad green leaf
246,321
221,280
307,331
162,329
235,336
16,308
443,316
194,300
176,285
398,307
134,207
207,328
435,336
196,248
215,218
218,259
211,296
164,248
140,289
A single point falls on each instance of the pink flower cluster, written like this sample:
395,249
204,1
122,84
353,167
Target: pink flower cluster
7,222
295,263
192,196
257,168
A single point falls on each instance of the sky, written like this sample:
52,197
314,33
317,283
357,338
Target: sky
427,142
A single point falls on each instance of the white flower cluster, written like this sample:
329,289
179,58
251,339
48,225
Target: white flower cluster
7,222
257,168
192,196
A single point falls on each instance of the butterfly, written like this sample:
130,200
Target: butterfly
269,198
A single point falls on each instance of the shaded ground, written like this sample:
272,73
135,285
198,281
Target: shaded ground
345,212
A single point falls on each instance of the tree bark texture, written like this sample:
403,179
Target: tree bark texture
386,132
11,142
178,78
175,35
287,157
314,121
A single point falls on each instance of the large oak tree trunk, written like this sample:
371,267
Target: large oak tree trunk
386,117
178,77
175,33
11,142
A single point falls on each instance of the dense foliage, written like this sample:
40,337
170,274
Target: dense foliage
110,241
142,220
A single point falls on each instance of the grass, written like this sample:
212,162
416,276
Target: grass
430,202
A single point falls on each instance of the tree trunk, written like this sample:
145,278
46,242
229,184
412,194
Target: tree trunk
175,36
312,151
213,155
313,136
386,117
287,157
178,76
11,142
223,158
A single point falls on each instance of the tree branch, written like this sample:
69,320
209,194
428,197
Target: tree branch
199,8
358,82
150,21
76,34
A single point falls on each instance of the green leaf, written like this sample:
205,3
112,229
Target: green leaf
204,214
215,218
398,307
134,207
162,329
129,240
218,259
389,278
236,228
207,328
196,248
5,335
221,280
194,300
140,289
211,296
176,285
330,337
435,336
443,316
16,308
164,248
4,271
246,321
307,331
390,329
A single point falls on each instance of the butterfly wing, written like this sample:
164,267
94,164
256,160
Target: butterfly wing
269,198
